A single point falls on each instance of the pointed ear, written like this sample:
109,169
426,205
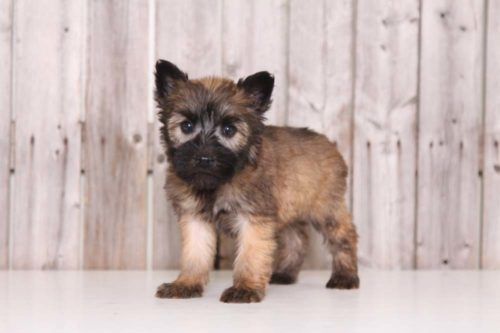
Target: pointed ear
259,87
166,77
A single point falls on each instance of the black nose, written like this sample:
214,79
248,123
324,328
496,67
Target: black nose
205,161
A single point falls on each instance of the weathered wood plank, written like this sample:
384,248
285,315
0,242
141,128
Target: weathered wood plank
255,38
5,113
320,81
448,211
491,172
47,102
188,34
115,149
385,131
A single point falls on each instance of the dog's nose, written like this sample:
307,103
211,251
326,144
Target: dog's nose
205,161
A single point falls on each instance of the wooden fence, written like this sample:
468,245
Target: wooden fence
409,89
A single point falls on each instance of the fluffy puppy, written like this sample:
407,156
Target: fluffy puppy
261,184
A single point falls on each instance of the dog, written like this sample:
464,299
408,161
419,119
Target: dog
263,185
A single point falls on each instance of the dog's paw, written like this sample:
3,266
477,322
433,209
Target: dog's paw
241,295
340,281
178,290
282,278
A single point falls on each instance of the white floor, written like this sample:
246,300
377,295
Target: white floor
118,302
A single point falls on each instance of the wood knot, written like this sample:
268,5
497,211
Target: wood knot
137,138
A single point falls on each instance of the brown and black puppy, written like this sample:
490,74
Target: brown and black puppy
261,184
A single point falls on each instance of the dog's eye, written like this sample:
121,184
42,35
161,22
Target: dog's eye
187,127
228,130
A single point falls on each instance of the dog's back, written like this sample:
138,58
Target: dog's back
311,175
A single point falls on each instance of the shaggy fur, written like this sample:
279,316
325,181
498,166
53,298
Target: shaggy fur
263,185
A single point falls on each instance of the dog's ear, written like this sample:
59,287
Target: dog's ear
259,87
167,75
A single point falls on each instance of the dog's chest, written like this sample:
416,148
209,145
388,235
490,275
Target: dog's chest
227,199
227,206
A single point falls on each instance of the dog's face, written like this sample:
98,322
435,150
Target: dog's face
211,126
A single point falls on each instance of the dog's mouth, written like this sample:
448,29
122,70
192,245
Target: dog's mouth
210,175
206,180
213,172
209,179
207,173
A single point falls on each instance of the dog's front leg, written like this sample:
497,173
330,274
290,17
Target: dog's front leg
253,263
198,250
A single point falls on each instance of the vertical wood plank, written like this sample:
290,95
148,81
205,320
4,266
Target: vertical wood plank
47,102
187,34
320,81
491,172
385,131
255,38
116,135
448,209
5,113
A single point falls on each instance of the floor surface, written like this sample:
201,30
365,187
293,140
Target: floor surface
388,301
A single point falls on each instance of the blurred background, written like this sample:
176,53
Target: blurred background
409,90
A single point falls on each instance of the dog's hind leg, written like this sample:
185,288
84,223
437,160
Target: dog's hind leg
289,256
340,234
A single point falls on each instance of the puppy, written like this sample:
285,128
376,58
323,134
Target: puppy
261,184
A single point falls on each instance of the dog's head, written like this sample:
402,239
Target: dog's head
211,126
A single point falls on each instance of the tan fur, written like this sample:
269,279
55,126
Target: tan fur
294,177
238,141
198,249
174,126
292,247
307,178
256,245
